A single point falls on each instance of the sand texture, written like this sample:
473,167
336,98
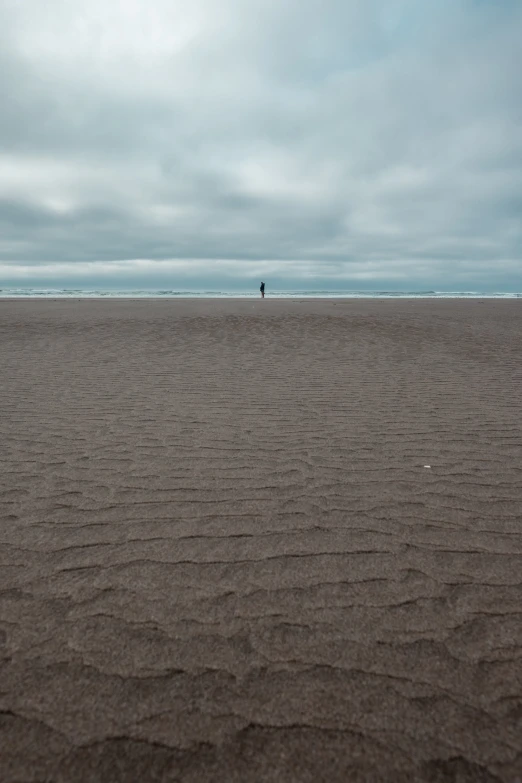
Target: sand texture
222,557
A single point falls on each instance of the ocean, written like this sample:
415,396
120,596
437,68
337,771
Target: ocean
166,293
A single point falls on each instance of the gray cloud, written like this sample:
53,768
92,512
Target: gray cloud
343,141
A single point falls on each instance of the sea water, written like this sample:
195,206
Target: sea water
166,293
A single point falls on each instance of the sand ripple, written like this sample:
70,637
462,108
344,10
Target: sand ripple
222,557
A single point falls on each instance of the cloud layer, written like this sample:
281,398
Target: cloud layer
352,141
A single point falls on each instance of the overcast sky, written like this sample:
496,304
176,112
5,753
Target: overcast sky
212,143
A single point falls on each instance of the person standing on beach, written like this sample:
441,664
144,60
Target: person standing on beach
262,289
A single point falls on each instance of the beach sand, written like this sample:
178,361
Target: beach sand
224,556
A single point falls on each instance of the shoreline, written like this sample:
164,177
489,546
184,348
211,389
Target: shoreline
463,298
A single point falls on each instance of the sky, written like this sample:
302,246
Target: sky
368,144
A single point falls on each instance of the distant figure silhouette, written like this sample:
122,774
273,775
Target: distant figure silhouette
262,289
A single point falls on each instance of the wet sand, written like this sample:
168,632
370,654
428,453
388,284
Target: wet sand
222,555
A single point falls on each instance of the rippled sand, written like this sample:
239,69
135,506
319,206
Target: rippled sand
223,557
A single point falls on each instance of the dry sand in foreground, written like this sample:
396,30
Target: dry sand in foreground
222,557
